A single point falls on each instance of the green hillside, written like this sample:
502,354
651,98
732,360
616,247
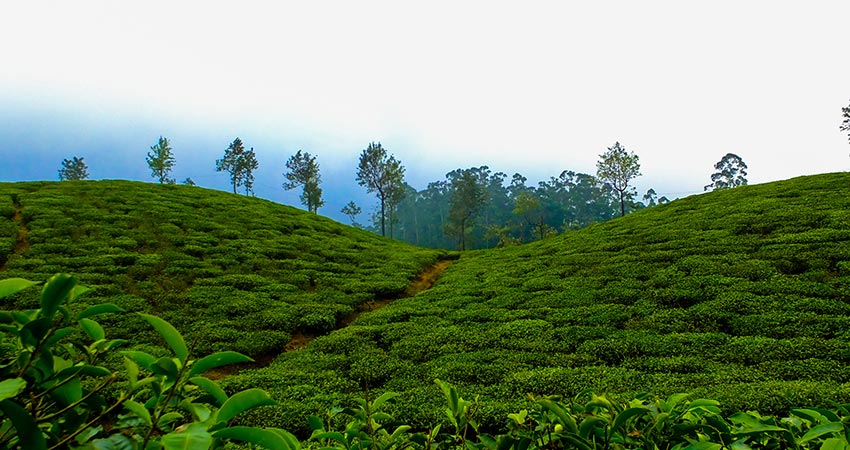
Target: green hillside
231,272
740,295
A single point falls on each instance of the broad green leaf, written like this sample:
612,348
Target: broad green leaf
11,286
401,429
211,387
703,446
55,292
69,392
291,440
332,435
576,441
821,430
12,387
386,396
243,401
315,423
60,334
28,432
132,372
93,329
588,424
83,370
166,366
114,442
563,416
216,360
145,360
171,336
200,411
257,436
168,418
95,310
139,410
78,291
834,444
193,437
624,416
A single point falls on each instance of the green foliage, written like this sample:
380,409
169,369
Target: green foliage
73,169
731,172
303,170
240,164
55,392
617,167
383,175
845,125
468,196
161,161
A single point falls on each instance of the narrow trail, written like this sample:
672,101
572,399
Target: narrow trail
300,339
22,244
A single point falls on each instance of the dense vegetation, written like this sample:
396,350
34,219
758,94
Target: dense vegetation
739,295
232,273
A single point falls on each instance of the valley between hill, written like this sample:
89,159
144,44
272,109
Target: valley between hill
741,295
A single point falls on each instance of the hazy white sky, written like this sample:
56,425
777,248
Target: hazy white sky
530,87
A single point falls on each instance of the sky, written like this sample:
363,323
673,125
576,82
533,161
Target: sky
531,87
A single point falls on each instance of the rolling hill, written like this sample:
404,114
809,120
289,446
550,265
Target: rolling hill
740,295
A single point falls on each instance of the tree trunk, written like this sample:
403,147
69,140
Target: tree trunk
622,203
383,218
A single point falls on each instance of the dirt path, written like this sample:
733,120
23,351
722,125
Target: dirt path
22,244
300,339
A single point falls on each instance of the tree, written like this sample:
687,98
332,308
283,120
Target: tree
650,198
381,174
304,171
160,161
845,126
731,172
352,211
617,167
189,181
469,195
240,164
73,169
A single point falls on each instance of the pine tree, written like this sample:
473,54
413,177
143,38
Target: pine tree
161,161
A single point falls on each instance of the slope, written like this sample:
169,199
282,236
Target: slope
231,272
740,295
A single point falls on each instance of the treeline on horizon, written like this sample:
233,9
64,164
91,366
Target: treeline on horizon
469,209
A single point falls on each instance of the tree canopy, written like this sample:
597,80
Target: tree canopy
161,161
73,169
240,164
468,197
303,170
845,125
617,167
382,174
731,172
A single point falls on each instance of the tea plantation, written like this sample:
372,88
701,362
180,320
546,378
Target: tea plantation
742,296
230,272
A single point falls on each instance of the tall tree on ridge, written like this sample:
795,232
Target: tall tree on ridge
731,172
381,174
845,126
73,169
304,171
617,167
240,164
161,161
469,195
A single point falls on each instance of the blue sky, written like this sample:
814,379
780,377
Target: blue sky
535,88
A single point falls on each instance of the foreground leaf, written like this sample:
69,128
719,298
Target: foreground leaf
243,401
11,286
171,336
257,436
216,360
